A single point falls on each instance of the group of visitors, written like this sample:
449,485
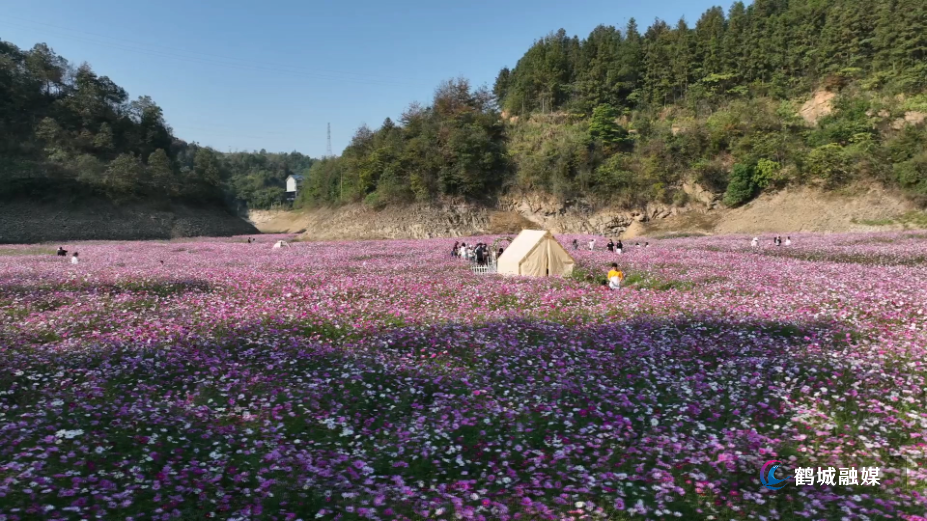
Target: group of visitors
64,253
615,246
480,253
777,240
618,246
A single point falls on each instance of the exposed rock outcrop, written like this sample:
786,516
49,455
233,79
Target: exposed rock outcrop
698,193
449,220
412,221
793,210
913,117
821,104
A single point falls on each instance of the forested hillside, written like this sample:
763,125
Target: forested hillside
66,129
624,117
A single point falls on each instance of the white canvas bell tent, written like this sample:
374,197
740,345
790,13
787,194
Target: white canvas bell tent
535,253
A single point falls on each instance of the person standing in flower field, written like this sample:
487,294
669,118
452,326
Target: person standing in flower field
591,244
615,277
610,246
575,245
74,258
480,254
788,241
755,242
619,247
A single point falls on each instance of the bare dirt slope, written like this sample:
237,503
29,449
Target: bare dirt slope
25,221
279,221
813,211
798,210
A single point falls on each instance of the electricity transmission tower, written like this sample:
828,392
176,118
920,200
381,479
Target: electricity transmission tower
328,148
328,154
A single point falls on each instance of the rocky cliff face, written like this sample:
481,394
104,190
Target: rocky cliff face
578,217
803,209
510,215
412,221
24,221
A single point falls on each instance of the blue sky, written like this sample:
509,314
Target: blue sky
247,75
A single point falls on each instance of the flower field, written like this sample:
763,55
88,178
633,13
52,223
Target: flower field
213,378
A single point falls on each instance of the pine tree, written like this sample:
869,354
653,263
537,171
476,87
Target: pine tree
598,81
658,78
709,43
630,62
734,44
681,59
501,86
848,34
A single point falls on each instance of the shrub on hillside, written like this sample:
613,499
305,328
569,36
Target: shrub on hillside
766,173
614,179
741,187
912,175
712,175
829,163
850,118
604,127
906,144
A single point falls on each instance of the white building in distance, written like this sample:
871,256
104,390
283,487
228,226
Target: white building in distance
292,185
